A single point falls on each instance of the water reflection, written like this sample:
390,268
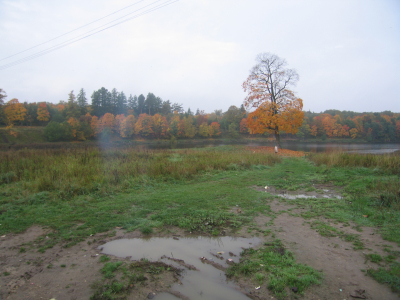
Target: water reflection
207,282
296,146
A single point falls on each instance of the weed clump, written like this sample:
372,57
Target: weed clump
104,258
375,258
120,279
276,267
389,275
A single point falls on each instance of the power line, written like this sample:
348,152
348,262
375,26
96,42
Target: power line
72,30
76,39
66,42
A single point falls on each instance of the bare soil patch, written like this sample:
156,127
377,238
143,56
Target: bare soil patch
342,266
62,273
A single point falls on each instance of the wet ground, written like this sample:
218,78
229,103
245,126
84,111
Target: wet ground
68,274
316,191
203,258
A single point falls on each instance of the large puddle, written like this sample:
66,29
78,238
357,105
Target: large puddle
208,281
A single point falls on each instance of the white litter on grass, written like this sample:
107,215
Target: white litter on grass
3,236
258,287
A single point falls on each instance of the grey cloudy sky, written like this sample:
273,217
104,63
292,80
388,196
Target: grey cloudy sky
199,52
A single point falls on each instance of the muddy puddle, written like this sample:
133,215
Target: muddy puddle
301,194
204,262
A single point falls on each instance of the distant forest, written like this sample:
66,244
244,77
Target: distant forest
113,113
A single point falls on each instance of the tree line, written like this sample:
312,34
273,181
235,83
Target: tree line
110,112
373,127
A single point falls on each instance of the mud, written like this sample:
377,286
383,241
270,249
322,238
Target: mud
67,273
342,266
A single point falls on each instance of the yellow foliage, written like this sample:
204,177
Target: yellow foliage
127,128
42,112
14,111
353,133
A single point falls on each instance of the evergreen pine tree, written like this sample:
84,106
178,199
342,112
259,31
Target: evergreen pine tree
82,102
96,103
121,103
114,101
140,106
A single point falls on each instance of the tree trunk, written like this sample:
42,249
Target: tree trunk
277,137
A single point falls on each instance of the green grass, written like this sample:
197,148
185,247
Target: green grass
80,192
73,172
389,275
329,231
121,279
109,269
154,197
25,134
375,258
387,163
273,265
104,258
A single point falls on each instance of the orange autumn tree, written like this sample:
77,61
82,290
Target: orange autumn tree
314,130
127,128
117,122
94,124
329,125
159,126
14,111
106,121
77,132
243,126
42,112
277,108
215,129
144,125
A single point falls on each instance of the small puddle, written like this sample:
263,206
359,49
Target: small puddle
301,196
208,281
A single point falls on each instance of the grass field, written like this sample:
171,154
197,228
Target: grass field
79,192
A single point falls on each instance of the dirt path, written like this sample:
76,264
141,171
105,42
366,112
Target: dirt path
341,264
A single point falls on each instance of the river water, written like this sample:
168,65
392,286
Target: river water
297,146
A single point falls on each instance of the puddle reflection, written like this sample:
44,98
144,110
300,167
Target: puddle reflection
206,283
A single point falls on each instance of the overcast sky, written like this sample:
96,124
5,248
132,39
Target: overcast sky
199,52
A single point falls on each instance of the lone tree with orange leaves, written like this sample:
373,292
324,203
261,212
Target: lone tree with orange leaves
277,109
